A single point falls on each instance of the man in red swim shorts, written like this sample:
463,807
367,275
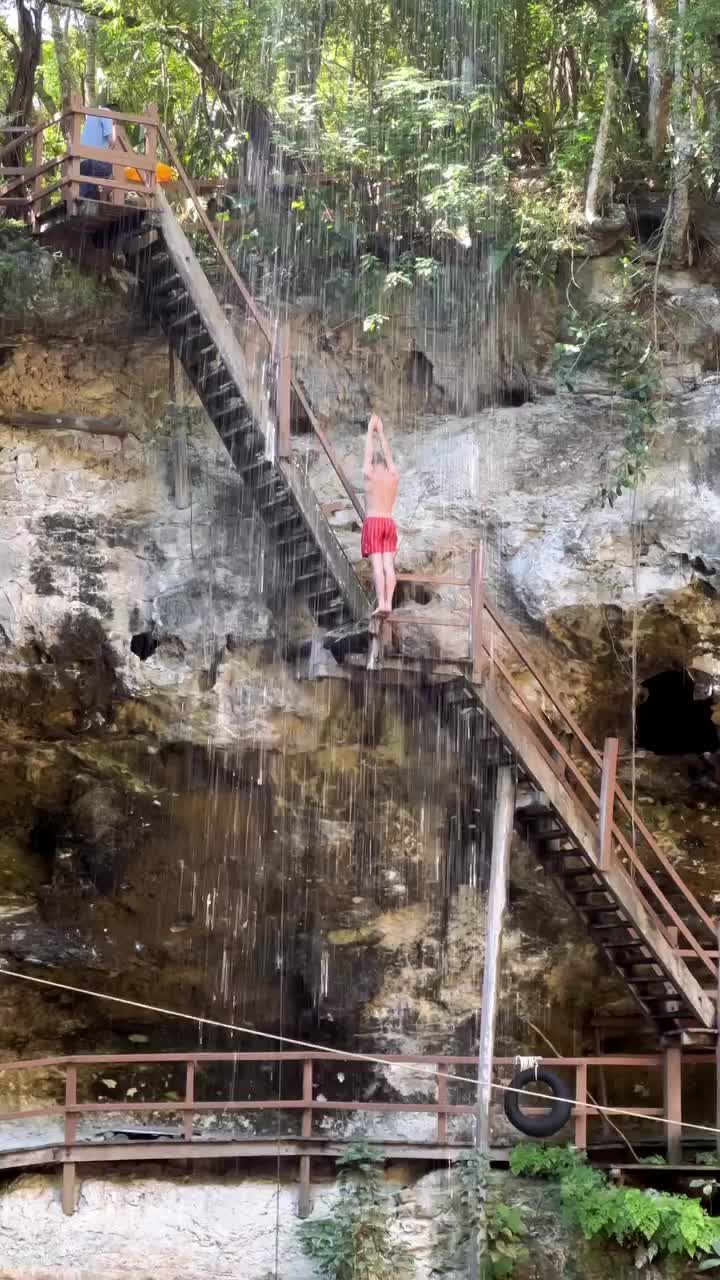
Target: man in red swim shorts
379,534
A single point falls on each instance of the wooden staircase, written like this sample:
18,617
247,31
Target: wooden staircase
613,902
582,828
307,559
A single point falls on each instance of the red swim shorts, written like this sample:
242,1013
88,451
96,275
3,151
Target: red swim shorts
379,533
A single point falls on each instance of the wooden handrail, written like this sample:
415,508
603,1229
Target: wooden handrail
260,321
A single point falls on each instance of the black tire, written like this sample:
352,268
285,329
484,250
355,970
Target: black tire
553,1120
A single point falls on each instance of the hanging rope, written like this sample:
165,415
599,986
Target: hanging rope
344,1054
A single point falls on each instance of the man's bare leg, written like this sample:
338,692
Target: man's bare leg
388,559
378,569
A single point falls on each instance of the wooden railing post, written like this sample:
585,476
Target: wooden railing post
672,1102
189,1098
283,390
477,608
72,169
304,1205
70,1135
151,144
442,1098
35,191
607,801
581,1115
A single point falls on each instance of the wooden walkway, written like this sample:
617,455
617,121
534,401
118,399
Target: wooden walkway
315,1080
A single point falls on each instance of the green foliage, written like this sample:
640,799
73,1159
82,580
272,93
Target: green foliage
472,1210
651,1223
39,290
615,339
355,1242
532,1160
712,1263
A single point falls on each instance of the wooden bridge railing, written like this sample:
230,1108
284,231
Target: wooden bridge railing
55,152
78,1073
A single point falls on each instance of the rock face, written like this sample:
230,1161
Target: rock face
176,1228
187,819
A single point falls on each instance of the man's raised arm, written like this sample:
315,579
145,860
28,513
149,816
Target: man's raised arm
369,446
387,455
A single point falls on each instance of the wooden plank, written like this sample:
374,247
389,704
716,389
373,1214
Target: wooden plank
497,897
189,1099
477,610
68,1188
30,421
70,1123
581,1111
283,391
35,173
112,155
442,1100
672,1096
304,1196
607,801
538,764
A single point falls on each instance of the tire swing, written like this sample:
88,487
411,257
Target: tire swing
550,1122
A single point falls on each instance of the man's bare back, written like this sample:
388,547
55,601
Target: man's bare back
379,536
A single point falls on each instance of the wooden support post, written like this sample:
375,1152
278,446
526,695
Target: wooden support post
477,608
70,1136
70,1101
304,1202
502,839
189,1097
581,1115
607,801
283,391
72,192
672,1102
35,192
68,1188
442,1097
151,145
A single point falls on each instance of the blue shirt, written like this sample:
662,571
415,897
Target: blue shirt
97,131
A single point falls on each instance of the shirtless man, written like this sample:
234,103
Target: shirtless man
379,534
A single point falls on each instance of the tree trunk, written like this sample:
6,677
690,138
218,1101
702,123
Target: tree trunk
659,81
91,32
597,180
27,61
678,219
59,25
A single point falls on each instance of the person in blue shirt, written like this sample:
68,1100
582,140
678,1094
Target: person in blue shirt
98,131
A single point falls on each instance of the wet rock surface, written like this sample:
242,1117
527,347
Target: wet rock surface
187,820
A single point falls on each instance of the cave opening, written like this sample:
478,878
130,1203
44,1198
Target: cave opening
143,645
670,721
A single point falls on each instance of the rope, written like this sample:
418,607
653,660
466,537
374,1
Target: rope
345,1055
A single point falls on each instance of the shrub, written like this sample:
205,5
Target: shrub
355,1242
473,1209
651,1223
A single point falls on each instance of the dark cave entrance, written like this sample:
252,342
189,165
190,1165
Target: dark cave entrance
670,722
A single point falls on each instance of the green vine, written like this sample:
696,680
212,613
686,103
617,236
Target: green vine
651,1223
355,1242
616,341
474,1216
